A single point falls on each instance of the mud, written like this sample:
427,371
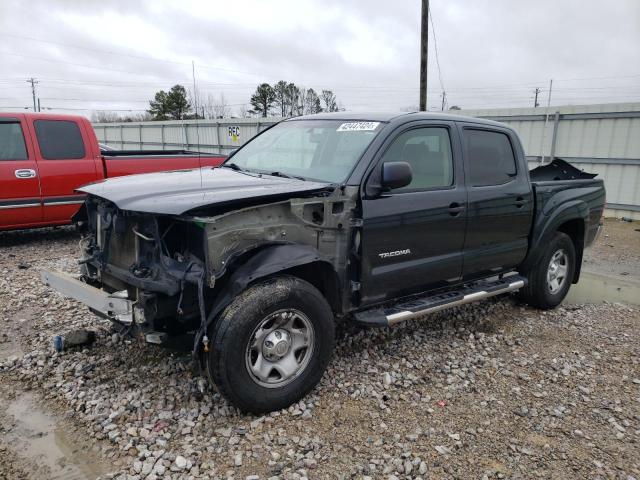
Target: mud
600,288
53,451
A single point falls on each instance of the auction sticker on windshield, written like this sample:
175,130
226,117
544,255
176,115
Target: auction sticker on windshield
358,126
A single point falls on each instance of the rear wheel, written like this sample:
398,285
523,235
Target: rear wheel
551,278
271,345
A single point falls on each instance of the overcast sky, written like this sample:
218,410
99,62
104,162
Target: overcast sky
113,55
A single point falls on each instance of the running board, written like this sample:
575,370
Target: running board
418,306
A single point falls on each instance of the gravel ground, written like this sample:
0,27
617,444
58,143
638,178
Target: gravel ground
492,390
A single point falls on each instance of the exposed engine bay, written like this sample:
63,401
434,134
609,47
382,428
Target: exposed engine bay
177,268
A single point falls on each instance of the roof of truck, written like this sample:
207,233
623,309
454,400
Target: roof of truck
389,116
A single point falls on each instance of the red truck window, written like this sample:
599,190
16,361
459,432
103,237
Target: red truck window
59,139
12,145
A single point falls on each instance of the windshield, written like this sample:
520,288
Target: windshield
324,150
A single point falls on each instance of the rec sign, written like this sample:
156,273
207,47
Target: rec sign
233,133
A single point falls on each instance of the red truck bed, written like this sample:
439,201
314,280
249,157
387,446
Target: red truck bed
44,158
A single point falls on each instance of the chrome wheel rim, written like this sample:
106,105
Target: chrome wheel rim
280,348
557,271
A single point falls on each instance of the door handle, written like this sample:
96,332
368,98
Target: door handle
25,173
455,208
520,202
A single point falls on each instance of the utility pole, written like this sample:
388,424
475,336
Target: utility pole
444,99
546,120
38,104
33,83
535,102
424,52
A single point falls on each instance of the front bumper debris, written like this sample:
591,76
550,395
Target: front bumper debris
115,306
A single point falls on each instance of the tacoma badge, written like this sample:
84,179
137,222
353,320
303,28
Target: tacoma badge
397,253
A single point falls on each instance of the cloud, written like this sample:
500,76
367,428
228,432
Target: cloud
116,54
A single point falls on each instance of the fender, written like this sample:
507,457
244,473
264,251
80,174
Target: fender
546,226
266,261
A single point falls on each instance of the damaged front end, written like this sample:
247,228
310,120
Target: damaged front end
169,275
138,269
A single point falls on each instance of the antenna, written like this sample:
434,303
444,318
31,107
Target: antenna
195,100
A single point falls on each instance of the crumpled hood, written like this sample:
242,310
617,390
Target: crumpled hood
177,192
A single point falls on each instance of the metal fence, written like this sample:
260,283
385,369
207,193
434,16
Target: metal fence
211,136
602,139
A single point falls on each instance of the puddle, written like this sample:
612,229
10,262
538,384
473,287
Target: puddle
41,440
597,288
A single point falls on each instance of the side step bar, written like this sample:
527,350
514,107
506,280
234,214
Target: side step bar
417,306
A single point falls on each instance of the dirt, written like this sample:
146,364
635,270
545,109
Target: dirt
617,251
494,390
42,444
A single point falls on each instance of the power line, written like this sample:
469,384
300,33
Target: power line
142,84
138,57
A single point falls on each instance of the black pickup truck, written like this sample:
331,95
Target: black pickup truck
375,218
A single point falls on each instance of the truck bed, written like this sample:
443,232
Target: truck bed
559,186
157,153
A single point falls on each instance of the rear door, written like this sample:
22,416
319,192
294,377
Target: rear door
412,237
500,201
65,162
19,183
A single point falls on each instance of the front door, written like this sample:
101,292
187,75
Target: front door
19,183
65,163
412,237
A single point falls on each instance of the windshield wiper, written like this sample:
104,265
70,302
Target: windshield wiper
233,166
285,175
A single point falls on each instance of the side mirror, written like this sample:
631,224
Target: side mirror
395,175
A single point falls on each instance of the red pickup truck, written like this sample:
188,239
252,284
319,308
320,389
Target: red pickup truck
44,158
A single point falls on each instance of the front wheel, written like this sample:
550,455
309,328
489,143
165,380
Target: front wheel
271,345
551,278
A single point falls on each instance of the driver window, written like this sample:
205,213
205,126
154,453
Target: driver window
428,151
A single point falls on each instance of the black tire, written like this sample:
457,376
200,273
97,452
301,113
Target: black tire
231,335
538,292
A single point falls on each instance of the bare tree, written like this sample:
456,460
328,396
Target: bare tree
243,111
312,102
104,116
222,107
329,100
107,116
281,91
294,100
216,107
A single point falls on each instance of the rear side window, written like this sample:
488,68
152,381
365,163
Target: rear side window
12,145
428,151
59,139
490,157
